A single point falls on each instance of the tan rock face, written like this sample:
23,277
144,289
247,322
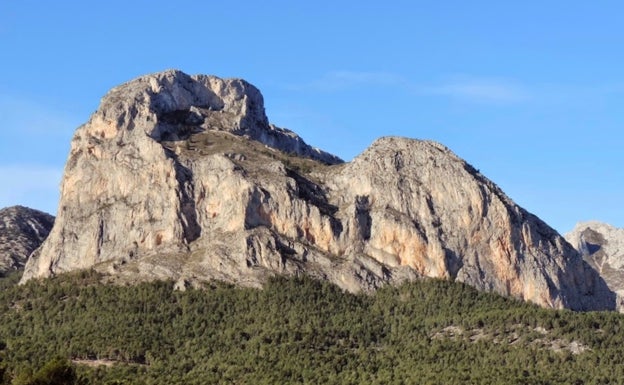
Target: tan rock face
183,177
435,213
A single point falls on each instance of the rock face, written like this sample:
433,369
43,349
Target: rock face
22,230
183,177
602,245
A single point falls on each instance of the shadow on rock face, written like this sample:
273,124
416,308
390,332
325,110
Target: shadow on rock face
597,295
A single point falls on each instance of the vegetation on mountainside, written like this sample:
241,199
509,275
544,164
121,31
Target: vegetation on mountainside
71,329
245,153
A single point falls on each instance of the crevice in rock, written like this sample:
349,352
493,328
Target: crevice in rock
188,211
316,196
398,161
100,236
453,263
255,214
362,216
312,193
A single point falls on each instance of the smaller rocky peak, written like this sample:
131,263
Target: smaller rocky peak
602,246
390,146
393,155
595,238
22,230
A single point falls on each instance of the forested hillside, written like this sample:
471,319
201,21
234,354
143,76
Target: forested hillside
72,329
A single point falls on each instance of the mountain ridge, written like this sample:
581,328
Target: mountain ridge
182,177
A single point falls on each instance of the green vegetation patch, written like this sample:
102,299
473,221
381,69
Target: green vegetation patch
295,331
243,151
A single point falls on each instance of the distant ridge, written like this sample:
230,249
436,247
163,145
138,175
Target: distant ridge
602,245
22,230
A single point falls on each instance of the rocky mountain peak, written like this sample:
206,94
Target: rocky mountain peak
22,230
181,177
171,105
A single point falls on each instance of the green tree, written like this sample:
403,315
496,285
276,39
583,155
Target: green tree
57,371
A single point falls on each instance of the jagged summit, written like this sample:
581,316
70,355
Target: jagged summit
172,105
182,177
22,230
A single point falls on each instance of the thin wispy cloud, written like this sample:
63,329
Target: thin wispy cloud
344,80
480,90
465,89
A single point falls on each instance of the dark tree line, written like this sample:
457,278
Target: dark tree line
294,331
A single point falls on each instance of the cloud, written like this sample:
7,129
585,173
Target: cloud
30,185
480,90
342,80
466,89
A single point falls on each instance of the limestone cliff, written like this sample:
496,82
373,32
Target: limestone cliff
22,230
602,245
183,177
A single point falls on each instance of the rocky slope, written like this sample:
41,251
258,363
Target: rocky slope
183,177
22,230
602,245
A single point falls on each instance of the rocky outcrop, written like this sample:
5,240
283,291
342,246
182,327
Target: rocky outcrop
432,211
22,230
602,245
182,177
173,105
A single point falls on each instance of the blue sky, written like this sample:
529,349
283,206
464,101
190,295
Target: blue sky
528,92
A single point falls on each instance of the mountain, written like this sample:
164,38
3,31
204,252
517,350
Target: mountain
22,230
602,245
182,177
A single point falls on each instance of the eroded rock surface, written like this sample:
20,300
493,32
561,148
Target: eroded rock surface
22,230
183,177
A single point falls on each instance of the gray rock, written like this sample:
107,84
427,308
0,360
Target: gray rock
150,192
172,105
602,245
22,230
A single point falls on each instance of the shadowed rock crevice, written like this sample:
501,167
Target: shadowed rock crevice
257,210
317,196
363,217
453,263
312,193
188,211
